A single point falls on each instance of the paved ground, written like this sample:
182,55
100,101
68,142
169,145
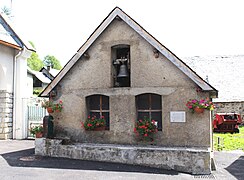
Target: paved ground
17,161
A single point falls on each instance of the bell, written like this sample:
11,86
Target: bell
123,72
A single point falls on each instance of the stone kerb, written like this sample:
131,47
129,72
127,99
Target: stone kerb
190,160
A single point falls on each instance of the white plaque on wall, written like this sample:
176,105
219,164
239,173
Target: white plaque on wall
177,116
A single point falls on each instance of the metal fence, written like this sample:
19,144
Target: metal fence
35,115
218,143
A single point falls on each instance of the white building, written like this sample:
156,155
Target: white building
13,81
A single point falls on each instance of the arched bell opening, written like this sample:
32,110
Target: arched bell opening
121,65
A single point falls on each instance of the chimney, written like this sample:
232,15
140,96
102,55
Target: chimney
48,68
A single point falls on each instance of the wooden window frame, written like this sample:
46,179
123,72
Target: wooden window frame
101,110
150,110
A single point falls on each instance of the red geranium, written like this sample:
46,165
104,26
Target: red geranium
94,122
146,128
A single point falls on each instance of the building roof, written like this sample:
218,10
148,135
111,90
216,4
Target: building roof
9,37
117,12
52,71
39,75
223,72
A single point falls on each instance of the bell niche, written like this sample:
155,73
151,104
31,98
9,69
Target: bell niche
121,65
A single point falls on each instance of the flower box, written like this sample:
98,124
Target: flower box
97,129
145,129
94,124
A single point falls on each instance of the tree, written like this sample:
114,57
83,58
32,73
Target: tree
52,61
34,62
6,11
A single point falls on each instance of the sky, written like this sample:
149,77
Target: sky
188,28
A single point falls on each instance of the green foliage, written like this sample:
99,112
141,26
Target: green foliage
55,106
94,122
34,62
36,129
6,10
202,104
230,141
37,91
145,128
32,44
51,60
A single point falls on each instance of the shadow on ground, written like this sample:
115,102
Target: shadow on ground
236,168
26,158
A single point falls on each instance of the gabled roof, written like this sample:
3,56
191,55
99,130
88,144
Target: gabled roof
9,37
117,12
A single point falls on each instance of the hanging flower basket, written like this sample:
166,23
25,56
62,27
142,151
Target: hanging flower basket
199,106
198,110
49,110
51,107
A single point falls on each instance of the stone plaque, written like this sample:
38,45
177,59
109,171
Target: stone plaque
177,116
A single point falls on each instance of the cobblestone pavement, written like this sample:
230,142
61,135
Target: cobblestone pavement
17,162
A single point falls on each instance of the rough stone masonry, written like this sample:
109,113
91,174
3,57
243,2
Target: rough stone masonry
190,160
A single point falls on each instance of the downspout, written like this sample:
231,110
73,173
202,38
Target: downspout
14,90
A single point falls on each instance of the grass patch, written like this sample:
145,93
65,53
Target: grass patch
229,141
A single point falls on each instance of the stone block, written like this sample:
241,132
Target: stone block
9,124
8,120
190,160
7,111
40,146
5,129
2,95
4,136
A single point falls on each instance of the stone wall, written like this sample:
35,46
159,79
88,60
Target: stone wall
148,75
6,115
190,160
230,107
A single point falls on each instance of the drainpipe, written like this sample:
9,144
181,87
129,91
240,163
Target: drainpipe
14,90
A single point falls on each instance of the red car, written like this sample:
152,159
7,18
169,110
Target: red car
227,122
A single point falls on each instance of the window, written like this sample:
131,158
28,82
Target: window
150,105
121,65
98,105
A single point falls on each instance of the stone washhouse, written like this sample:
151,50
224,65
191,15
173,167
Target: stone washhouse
155,83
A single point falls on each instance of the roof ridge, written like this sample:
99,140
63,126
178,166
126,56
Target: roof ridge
142,32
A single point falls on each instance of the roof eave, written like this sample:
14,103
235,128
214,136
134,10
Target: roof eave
10,45
147,36
18,40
